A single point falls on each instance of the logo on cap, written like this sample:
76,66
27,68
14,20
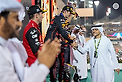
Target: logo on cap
37,10
67,8
71,9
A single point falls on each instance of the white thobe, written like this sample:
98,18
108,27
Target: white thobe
82,59
12,68
102,68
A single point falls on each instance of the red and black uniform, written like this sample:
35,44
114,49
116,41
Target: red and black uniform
65,58
55,29
32,41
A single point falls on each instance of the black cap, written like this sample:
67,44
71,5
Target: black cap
68,8
35,9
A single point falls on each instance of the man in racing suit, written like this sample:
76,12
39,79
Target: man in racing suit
32,38
55,29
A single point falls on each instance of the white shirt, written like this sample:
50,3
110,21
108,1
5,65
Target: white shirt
8,66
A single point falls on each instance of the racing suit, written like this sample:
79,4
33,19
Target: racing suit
55,29
32,41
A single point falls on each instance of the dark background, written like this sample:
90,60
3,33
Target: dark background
102,8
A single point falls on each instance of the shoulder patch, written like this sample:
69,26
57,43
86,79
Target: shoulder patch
32,32
62,20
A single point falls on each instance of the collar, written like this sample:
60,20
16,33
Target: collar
3,42
61,14
34,24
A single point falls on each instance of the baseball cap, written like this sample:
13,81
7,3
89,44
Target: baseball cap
35,9
69,8
10,5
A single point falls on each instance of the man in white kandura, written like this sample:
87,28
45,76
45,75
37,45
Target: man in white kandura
103,59
80,60
12,52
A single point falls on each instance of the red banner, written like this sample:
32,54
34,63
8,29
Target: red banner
33,2
52,9
19,0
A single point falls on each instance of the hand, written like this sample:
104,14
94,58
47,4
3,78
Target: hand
81,33
117,70
74,45
83,28
71,27
47,54
72,38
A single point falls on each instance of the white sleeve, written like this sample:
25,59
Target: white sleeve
113,56
36,73
85,48
7,72
82,39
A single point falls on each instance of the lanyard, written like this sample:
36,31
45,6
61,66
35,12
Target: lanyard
96,47
95,53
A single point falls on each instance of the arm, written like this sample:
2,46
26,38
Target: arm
25,74
39,70
61,30
82,39
85,48
7,72
113,55
36,72
33,38
62,40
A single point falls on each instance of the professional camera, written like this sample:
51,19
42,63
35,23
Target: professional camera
76,76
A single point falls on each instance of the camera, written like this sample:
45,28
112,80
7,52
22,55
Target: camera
76,76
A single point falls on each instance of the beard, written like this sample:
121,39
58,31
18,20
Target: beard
13,33
96,35
9,30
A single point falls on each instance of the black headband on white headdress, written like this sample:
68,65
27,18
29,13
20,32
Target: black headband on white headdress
13,5
77,27
99,27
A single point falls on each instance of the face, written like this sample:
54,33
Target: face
39,17
66,27
83,28
81,33
76,31
96,32
11,25
67,14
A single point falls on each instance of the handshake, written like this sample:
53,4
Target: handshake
74,44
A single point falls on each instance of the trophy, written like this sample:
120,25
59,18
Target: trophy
70,71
